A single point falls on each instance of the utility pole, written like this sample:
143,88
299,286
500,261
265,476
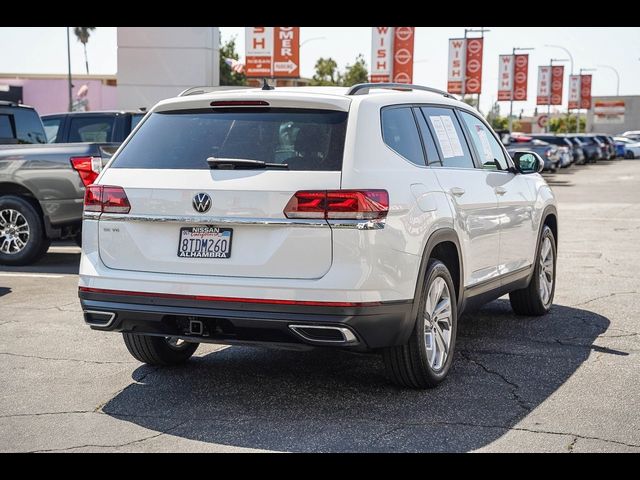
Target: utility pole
617,77
69,75
482,31
513,66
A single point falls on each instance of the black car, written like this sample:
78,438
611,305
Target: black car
609,145
559,141
20,124
98,126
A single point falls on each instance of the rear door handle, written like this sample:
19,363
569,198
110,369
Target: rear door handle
457,191
501,190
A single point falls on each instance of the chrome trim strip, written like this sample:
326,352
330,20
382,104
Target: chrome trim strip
99,312
90,215
206,220
347,335
358,224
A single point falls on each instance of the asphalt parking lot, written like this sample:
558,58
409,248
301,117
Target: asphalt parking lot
567,382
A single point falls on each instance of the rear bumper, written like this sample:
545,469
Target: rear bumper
230,322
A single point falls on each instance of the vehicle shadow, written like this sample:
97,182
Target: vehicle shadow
323,400
59,259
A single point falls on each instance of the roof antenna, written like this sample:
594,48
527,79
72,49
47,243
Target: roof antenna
266,86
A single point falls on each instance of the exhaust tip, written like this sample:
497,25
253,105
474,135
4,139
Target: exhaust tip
97,318
325,334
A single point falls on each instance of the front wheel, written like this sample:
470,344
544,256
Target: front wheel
537,297
424,361
159,350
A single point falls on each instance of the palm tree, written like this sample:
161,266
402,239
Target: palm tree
83,34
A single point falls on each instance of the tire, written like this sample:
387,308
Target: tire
629,155
158,350
532,300
412,365
27,229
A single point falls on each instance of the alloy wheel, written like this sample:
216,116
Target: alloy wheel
438,323
14,231
546,271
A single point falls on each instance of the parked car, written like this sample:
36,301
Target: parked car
412,207
41,192
98,126
20,124
632,134
578,151
608,147
591,146
629,148
549,153
564,145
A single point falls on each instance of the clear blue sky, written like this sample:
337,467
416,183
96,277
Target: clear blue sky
43,50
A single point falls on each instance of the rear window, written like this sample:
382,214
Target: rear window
91,128
304,139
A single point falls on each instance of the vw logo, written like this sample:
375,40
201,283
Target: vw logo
201,202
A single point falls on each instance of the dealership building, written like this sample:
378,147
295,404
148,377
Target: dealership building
613,115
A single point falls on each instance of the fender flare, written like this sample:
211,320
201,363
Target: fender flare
548,210
445,234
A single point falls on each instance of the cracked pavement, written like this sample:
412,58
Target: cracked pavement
567,382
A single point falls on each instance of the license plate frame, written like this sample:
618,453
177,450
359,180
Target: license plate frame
209,233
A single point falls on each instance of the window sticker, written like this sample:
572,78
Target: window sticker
486,147
456,146
441,134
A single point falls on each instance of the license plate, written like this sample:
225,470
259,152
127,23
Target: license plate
205,241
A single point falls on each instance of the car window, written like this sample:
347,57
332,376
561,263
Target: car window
450,140
135,119
400,133
304,139
6,129
28,126
90,128
433,157
491,155
51,127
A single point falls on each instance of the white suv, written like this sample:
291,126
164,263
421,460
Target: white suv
365,218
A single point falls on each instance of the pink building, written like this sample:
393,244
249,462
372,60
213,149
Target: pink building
49,93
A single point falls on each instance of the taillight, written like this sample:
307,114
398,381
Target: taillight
339,204
87,167
106,199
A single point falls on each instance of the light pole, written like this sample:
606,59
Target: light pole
617,77
513,66
546,128
311,40
69,75
578,117
481,31
571,59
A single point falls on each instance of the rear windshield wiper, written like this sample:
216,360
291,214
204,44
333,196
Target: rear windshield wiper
242,164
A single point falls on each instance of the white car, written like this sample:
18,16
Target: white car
631,147
366,218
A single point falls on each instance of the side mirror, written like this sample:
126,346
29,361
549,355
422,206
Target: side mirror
528,162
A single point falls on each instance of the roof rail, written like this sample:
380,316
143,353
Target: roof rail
200,90
363,88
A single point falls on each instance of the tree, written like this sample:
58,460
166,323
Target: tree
495,120
326,73
227,75
356,73
83,34
560,124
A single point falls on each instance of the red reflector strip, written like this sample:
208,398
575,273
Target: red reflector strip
206,298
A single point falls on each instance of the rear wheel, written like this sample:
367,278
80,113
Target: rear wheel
537,297
159,350
425,360
22,238
629,154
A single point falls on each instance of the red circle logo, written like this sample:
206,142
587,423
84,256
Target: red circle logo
473,85
520,93
473,65
474,46
521,61
402,77
403,56
404,33
521,77
557,71
542,121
